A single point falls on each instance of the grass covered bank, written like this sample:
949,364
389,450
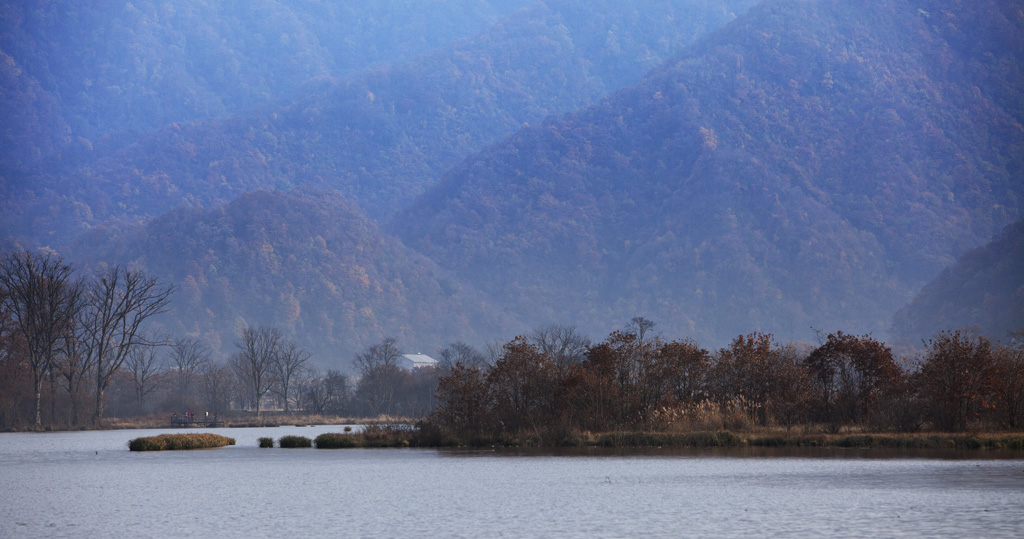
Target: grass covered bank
373,436
405,436
1012,442
172,442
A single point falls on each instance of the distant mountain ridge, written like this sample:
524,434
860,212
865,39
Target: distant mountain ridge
308,263
383,138
85,78
811,164
983,291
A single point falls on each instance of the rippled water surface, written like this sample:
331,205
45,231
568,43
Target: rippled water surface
87,484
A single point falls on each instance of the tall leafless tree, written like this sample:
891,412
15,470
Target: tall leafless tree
76,360
563,345
188,355
639,326
254,362
384,354
461,353
120,300
288,365
41,297
142,363
380,376
325,393
217,387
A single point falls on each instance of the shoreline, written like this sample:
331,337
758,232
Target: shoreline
163,421
984,441
399,432
400,437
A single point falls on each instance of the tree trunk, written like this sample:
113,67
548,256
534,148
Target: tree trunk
99,406
53,399
38,387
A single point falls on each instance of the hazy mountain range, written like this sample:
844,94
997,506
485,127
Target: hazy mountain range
982,292
446,171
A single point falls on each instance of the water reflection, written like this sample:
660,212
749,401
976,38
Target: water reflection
741,452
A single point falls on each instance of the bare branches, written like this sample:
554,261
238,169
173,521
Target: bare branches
267,362
253,363
639,326
384,354
288,365
330,393
41,299
458,353
217,387
380,376
144,367
189,356
120,300
562,344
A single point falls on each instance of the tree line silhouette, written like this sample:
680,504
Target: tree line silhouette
631,381
66,341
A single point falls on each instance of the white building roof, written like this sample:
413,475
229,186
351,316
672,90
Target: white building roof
415,361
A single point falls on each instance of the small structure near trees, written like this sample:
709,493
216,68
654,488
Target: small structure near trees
412,362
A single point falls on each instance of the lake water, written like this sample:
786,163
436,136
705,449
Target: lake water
87,484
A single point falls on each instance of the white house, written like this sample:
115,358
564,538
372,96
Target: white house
416,361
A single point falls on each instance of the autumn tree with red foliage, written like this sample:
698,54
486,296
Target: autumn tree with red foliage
463,400
958,379
1009,386
744,374
684,366
850,374
522,384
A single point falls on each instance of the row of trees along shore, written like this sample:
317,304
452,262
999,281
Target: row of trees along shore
70,332
632,381
68,342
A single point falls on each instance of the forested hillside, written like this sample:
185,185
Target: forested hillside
79,79
308,263
385,137
811,164
774,167
983,290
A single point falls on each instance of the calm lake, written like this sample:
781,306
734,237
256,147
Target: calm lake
87,484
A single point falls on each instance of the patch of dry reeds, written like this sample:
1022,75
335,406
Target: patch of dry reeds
175,442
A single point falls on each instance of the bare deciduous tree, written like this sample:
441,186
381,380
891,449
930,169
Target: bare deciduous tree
217,387
323,394
563,345
40,299
639,326
254,361
383,354
119,301
461,353
75,361
144,367
381,375
288,364
189,355
493,351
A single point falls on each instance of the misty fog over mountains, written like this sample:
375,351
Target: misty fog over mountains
466,171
